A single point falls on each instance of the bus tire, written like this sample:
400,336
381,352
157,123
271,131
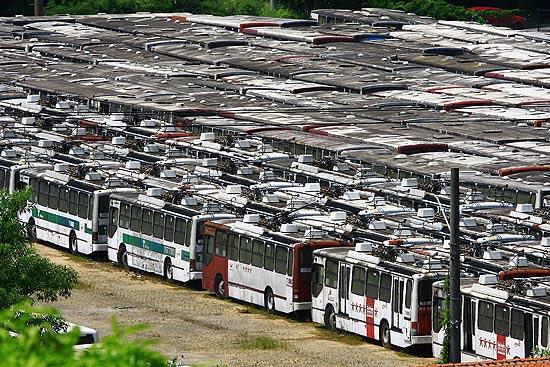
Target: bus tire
122,256
330,317
269,300
168,270
385,336
219,286
73,243
31,231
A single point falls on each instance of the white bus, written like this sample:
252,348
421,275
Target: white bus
67,211
248,262
157,236
387,300
500,320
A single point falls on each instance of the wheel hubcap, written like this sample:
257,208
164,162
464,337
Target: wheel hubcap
221,287
270,301
169,272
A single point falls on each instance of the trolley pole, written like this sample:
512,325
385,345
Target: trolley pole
454,352
273,4
38,8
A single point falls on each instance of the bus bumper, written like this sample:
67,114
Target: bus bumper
421,339
195,275
99,247
301,306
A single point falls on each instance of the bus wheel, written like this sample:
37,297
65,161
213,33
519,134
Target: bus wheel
269,300
330,318
168,270
73,245
219,286
385,336
122,256
31,230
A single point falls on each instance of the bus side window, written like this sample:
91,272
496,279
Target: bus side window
245,250
43,193
158,224
317,279
517,325
408,294
83,200
485,315
281,259
73,202
373,281
258,249
34,188
502,320
147,225
544,332
269,262
188,230
331,274
290,266
220,243
169,228
63,200
179,232
124,220
209,254
135,219
358,281
385,287
113,220
53,197
232,246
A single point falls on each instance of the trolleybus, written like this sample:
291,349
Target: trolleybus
250,263
386,300
149,233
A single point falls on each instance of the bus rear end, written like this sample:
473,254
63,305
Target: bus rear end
303,262
421,311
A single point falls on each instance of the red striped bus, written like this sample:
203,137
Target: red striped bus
268,268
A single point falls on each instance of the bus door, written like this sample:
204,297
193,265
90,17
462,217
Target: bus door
467,323
529,331
343,288
397,302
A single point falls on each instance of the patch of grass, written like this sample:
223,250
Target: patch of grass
338,336
260,342
82,285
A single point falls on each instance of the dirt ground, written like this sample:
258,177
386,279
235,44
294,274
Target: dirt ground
199,329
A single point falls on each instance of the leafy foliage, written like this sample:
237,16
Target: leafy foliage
39,345
439,9
107,6
540,352
23,273
446,323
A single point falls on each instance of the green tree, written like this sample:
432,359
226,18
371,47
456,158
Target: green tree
39,345
25,275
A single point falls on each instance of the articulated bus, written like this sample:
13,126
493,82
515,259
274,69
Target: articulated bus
67,211
501,319
244,261
157,236
387,300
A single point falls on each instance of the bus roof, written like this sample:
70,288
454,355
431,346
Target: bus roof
418,264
